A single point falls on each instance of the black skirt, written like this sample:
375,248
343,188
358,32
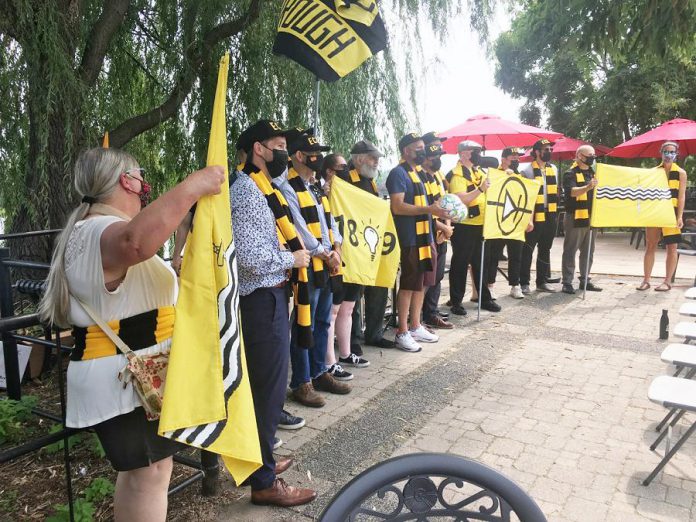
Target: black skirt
130,441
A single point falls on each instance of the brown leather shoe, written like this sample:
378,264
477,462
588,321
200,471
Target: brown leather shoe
283,464
439,322
280,494
306,395
326,382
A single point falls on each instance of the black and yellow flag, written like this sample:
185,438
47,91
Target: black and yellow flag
331,38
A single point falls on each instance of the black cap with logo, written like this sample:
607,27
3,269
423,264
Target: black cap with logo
408,139
306,143
509,151
431,137
262,130
433,151
540,144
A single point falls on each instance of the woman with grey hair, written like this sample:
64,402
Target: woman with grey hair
671,236
106,258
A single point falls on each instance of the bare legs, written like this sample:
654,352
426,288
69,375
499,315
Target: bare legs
141,494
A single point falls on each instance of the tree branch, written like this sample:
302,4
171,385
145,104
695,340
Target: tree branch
136,125
111,18
8,20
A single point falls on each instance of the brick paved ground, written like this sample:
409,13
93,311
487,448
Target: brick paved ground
552,392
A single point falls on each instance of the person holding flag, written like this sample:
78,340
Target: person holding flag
578,186
261,219
318,231
468,182
432,317
362,172
676,179
509,163
412,216
545,216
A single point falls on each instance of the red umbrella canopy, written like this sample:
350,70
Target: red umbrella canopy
494,133
648,145
565,148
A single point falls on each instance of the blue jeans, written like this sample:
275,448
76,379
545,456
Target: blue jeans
310,363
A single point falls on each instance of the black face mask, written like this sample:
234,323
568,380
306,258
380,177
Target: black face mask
436,163
419,158
279,162
514,165
475,156
314,162
546,156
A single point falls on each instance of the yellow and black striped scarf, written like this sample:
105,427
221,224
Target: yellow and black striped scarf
473,178
673,183
287,235
551,192
310,213
581,216
421,198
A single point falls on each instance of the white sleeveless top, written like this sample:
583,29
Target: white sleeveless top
94,392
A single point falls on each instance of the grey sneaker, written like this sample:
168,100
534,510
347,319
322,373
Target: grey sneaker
405,342
526,290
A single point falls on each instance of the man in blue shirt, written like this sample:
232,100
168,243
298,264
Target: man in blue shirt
412,207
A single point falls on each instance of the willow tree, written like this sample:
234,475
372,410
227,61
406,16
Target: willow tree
145,71
599,69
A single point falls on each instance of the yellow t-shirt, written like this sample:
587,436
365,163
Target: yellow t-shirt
458,183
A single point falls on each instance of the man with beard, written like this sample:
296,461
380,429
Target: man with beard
364,162
412,212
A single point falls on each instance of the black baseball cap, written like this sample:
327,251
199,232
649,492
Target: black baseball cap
306,143
243,140
262,130
407,139
366,147
294,133
509,151
540,144
430,137
434,151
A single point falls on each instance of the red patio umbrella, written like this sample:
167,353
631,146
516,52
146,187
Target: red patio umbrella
564,149
494,133
648,145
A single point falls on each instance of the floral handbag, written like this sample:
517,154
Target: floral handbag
146,372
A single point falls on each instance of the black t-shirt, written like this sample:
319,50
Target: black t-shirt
570,181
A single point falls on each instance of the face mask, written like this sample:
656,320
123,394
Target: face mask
436,163
546,156
590,161
368,171
514,165
669,156
342,172
145,190
419,157
279,162
314,162
475,156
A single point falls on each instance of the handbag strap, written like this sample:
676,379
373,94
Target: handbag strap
110,333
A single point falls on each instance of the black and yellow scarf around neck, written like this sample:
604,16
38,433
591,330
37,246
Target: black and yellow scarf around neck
421,198
581,216
673,183
310,213
287,235
551,192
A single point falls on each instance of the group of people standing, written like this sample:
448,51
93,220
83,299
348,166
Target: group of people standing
288,245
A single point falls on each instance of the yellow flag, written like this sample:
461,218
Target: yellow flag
207,399
370,248
630,197
509,205
105,142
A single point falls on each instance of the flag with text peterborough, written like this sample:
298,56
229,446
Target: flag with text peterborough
331,38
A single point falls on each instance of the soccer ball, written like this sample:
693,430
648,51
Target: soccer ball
456,210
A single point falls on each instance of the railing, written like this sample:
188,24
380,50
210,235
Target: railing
207,469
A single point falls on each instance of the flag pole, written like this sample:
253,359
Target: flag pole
480,288
315,115
587,265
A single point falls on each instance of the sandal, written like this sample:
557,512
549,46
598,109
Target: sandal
643,286
663,287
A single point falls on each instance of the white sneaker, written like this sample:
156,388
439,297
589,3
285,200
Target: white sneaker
516,292
423,335
405,342
526,290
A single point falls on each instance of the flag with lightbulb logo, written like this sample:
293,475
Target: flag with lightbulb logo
370,247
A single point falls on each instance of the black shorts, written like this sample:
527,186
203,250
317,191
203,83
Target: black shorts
347,292
130,441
